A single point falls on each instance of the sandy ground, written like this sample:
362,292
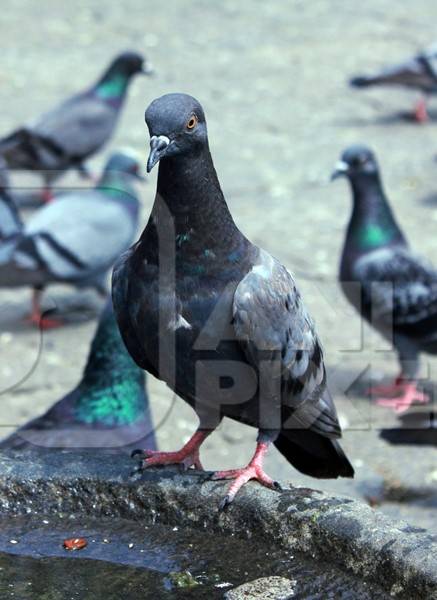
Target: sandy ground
272,79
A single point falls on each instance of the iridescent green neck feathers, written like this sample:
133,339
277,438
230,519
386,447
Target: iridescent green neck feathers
372,224
112,391
113,87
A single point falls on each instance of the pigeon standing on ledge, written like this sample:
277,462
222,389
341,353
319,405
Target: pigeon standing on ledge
397,291
108,409
419,72
219,319
68,135
75,239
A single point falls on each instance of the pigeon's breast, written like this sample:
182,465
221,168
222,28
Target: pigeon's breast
190,340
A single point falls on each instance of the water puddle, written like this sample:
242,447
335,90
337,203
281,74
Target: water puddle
125,559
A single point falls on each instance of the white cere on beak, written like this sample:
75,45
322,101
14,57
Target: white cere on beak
160,138
341,166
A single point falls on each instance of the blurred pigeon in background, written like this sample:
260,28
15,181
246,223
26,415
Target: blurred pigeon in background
397,290
419,72
196,295
69,134
109,409
75,239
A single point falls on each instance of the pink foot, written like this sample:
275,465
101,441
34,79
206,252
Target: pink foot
188,456
420,111
44,323
386,390
254,470
410,395
155,458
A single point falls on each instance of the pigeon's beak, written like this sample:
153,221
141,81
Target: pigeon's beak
341,169
158,147
148,69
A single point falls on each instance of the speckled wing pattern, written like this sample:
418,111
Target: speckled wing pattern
271,320
407,296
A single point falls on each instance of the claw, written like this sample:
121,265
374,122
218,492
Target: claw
254,470
137,471
137,452
187,457
224,503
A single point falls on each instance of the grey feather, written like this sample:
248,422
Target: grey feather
76,238
273,324
407,290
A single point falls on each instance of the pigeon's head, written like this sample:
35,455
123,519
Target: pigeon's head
356,161
124,161
130,63
118,178
177,127
122,167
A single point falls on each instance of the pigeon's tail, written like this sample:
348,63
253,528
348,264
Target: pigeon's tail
24,148
16,144
415,73
360,82
313,454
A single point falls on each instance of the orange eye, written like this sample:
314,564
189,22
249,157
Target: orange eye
192,122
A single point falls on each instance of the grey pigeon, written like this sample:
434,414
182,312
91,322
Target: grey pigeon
397,290
219,319
75,239
418,72
69,134
108,409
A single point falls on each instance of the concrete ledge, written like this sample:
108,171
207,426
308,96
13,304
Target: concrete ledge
402,559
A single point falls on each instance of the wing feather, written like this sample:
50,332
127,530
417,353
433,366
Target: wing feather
272,324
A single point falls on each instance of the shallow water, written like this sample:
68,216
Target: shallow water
124,559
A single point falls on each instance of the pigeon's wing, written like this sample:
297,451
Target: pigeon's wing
399,289
279,340
80,235
78,127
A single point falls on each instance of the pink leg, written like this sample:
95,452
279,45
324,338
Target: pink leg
47,195
387,390
410,395
188,456
36,317
254,470
420,111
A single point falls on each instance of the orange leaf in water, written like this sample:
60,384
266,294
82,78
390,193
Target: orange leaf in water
75,543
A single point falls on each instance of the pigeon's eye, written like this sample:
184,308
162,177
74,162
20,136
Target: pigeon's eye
359,161
192,122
